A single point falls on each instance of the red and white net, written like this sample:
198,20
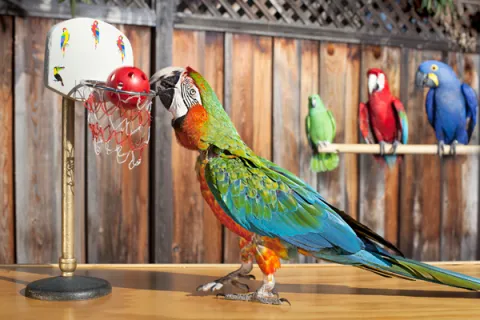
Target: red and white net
119,121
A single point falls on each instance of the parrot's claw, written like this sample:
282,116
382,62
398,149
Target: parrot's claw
242,272
270,298
453,148
324,144
395,145
441,148
382,148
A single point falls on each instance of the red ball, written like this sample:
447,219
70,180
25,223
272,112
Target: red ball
128,79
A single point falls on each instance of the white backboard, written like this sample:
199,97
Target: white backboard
92,51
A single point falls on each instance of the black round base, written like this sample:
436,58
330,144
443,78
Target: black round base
68,288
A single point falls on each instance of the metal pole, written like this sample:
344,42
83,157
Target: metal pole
67,261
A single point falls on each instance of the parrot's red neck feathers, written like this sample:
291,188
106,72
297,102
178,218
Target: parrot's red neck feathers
191,128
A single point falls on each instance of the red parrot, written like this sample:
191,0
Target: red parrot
383,118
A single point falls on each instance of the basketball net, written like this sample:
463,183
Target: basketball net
120,125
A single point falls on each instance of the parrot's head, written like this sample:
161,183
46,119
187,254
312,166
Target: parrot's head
194,106
434,73
64,29
315,103
377,81
177,91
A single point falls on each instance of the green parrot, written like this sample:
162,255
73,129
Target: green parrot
275,213
320,128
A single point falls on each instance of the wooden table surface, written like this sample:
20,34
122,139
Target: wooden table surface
144,292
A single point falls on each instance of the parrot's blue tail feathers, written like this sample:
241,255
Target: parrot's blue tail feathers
390,160
322,162
388,265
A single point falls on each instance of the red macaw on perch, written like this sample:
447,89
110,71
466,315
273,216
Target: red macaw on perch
383,118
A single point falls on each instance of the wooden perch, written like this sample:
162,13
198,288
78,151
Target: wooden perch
401,149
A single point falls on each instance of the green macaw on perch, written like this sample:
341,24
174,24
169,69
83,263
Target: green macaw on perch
275,213
320,128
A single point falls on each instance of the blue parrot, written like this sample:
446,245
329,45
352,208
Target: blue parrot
451,105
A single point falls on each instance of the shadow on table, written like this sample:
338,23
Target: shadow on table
169,281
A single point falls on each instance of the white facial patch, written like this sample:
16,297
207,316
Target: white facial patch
372,83
381,81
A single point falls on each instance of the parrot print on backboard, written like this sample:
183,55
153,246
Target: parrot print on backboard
320,129
64,40
383,118
275,213
451,105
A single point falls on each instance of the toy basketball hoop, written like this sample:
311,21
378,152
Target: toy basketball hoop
91,61
119,120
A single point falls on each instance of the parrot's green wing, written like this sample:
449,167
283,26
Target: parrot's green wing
334,124
277,204
307,131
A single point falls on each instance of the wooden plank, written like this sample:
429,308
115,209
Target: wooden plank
118,198
309,84
212,228
286,99
161,188
251,104
453,203
193,219
287,135
37,148
99,10
471,173
379,185
460,184
420,206
7,214
352,96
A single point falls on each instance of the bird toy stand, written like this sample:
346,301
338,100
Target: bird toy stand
118,100
68,286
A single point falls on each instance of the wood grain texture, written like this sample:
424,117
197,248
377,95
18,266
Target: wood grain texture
213,72
352,96
286,103
316,292
7,214
460,184
37,148
470,172
309,84
420,205
197,234
161,187
118,198
250,104
287,135
379,185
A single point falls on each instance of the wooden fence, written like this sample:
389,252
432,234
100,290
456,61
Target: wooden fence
155,213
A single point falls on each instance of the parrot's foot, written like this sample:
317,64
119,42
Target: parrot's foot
395,145
266,294
453,148
441,148
324,144
242,272
382,147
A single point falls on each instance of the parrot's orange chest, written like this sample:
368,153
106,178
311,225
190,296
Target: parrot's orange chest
191,129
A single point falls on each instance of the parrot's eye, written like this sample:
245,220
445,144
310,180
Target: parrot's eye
434,67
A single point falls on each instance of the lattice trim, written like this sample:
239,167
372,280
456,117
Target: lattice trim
373,17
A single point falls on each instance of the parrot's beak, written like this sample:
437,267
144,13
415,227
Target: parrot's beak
164,82
426,79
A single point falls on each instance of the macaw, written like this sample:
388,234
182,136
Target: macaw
64,40
57,75
121,46
383,118
275,213
451,105
320,128
96,32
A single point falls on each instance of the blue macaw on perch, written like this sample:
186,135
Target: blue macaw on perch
451,105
